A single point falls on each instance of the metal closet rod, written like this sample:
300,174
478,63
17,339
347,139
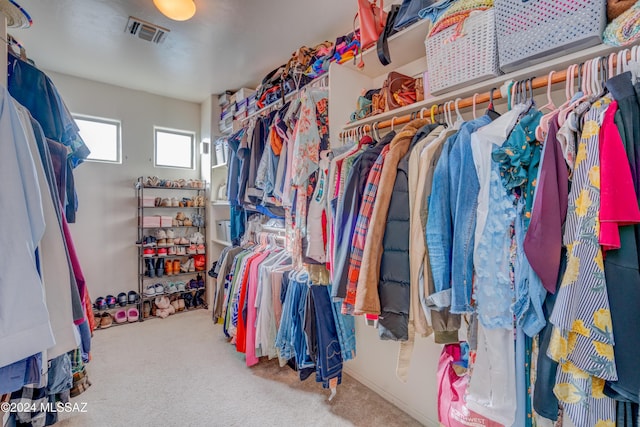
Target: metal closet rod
287,97
537,83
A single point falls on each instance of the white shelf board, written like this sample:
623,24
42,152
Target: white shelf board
557,64
221,242
220,203
221,165
404,47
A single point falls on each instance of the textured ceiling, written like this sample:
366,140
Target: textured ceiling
227,45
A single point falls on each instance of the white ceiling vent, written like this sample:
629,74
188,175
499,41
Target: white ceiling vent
146,30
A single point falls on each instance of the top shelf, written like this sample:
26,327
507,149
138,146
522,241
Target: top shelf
541,69
405,47
146,187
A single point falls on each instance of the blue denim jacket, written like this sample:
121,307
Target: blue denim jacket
452,219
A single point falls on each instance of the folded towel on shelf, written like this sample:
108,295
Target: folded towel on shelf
625,29
457,13
434,11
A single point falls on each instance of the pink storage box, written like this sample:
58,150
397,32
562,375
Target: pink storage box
166,221
148,201
151,221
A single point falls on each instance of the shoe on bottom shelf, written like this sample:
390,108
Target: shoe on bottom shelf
106,320
121,316
132,315
146,309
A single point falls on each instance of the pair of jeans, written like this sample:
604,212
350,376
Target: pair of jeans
329,352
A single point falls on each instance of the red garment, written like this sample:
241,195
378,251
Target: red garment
618,201
241,331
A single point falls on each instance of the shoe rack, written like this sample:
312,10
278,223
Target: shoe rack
182,208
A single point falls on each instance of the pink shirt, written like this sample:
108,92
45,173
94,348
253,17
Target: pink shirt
618,200
250,348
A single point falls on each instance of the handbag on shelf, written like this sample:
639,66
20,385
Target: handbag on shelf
383,45
420,89
408,13
401,90
616,8
372,21
379,102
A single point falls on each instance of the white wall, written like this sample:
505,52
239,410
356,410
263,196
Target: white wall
106,228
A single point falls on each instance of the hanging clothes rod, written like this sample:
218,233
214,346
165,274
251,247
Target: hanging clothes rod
288,96
480,98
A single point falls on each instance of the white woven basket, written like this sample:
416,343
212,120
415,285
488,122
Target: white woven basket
532,31
455,60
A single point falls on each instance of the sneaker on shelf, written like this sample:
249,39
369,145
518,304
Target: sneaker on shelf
162,243
172,251
122,299
133,297
192,265
184,241
197,238
166,203
186,266
162,252
174,202
161,234
181,250
200,249
171,234
176,241
101,303
171,288
159,289
150,291
181,286
188,222
111,301
192,250
149,252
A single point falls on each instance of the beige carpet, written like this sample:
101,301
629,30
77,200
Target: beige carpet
180,371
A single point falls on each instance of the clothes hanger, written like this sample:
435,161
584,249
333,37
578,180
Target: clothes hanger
376,130
583,77
475,97
543,127
393,120
459,118
434,110
422,113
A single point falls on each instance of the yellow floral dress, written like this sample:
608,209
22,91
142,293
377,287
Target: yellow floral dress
582,338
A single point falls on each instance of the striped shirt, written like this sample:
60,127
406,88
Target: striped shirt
360,233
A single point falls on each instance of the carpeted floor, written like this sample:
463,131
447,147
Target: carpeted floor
180,371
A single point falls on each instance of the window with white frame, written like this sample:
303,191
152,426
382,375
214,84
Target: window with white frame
174,148
102,137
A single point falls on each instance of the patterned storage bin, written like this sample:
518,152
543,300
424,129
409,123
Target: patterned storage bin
459,57
533,31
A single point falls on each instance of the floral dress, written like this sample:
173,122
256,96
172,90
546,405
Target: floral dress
582,338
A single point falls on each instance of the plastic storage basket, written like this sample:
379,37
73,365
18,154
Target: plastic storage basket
532,31
458,57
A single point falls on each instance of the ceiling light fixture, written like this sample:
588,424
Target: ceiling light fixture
178,10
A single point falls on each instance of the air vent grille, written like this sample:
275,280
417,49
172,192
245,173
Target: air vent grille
146,30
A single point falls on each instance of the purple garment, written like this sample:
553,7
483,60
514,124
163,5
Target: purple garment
77,270
58,154
543,241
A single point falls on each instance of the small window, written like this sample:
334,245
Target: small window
102,137
174,148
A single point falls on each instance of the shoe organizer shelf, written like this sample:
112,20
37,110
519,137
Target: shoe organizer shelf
170,207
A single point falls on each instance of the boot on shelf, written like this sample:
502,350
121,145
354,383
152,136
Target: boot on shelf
160,267
151,269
